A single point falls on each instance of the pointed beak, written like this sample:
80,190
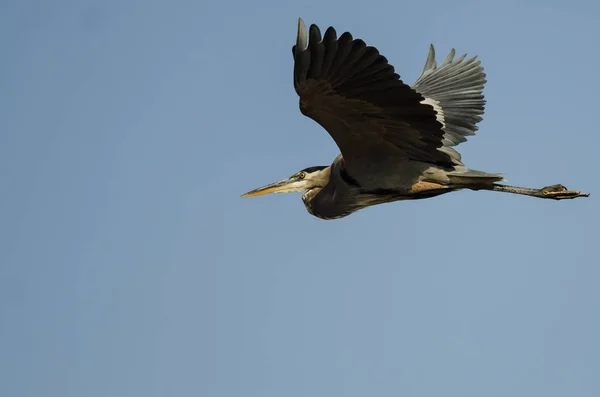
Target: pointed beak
277,187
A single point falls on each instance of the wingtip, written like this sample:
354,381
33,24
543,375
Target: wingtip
302,37
449,58
431,62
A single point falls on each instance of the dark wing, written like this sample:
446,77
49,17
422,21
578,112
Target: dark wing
353,92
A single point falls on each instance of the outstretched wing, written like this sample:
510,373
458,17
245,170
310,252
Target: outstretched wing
353,93
455,90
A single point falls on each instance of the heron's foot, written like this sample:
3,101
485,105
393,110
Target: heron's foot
560,192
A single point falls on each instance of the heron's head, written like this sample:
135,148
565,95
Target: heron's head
307,179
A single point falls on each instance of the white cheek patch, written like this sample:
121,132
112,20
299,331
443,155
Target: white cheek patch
320,178
438,110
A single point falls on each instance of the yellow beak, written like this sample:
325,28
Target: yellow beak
277,187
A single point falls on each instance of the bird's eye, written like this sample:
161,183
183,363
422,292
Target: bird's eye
301,175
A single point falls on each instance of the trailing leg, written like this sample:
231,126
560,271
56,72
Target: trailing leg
555,192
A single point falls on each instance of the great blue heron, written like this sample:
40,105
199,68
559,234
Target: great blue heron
396,141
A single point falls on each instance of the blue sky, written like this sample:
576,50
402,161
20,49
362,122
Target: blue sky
129,265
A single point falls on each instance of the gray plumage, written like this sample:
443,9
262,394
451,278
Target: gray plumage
457,86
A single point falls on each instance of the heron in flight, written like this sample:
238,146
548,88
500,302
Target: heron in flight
396,141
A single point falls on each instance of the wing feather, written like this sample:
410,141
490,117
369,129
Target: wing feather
354,93
456,87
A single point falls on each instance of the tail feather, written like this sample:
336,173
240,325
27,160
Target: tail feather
466,176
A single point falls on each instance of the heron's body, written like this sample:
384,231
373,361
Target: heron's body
396,141
338,194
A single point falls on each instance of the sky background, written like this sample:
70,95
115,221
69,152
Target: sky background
130,266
